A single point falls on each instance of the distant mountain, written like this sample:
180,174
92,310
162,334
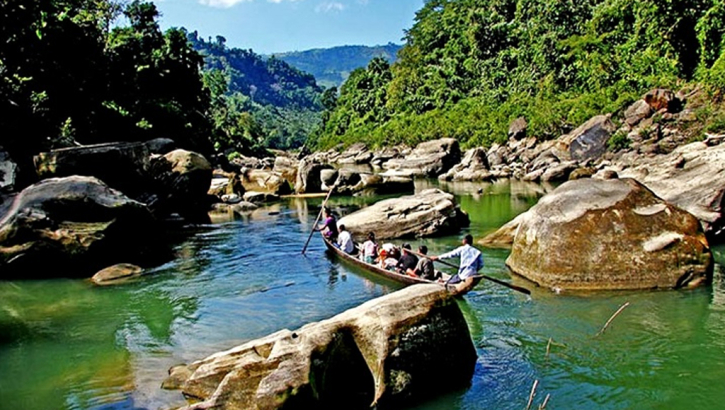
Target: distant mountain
332,66
284,102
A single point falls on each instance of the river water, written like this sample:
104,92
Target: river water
65,344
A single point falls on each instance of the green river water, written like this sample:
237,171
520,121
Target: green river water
65,344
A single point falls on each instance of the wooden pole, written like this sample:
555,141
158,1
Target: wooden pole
319,215
606,325
494,280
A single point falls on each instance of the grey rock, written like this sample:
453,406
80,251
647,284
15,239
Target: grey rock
589,141
428,213
594,234
116,274
691,177
429,159
517,129
8,172
385,352
473,167
636,112
73,226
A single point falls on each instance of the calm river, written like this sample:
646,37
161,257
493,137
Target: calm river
65,344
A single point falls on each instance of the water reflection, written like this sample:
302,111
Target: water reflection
66,344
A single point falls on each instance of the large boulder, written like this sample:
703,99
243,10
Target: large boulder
473,167
223,184
428,159
308,176
386,154
637,112
691,177
517,129
359,183
72,226
663,99
355,154
183,179
614,234
263,180
121,165
428,213
287,168
8,171
589,141
385,352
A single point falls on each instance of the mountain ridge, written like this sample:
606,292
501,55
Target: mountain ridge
332,66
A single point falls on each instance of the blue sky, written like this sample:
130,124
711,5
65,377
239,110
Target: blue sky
269,26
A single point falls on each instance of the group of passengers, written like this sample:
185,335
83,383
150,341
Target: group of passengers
403,260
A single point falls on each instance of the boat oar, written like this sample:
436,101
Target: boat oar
319,215
494,280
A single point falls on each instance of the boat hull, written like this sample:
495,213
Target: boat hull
394,276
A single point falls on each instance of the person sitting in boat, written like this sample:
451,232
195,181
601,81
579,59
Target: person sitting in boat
424,269
329,226
344,241
407,260
369,249
386,261
391,250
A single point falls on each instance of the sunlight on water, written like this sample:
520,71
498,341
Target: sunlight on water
65,344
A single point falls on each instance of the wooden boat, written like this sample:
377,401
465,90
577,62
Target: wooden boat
395,276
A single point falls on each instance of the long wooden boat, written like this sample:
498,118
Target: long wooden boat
394,276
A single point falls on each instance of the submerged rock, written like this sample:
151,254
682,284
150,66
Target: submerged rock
613,234
409,344
116,274
428,213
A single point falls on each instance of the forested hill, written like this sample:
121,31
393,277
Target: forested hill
469,67
332,66
277,104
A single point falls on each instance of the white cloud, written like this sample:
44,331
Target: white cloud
229,3
220,3
329,6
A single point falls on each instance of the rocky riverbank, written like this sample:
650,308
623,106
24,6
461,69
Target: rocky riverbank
407,345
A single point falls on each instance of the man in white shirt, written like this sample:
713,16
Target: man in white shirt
344,240
471,262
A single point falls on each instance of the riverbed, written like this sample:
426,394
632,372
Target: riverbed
66,344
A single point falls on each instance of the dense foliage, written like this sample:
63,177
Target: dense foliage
470,67
332,66
257,102
67,77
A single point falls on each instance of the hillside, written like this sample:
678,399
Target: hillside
470,67
332,66
265,101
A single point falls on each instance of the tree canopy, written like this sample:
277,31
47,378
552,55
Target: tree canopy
469,67
257,102
68,76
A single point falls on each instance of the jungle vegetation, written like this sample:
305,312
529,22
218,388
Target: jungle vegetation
470,67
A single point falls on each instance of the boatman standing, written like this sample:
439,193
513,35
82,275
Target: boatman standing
471,261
